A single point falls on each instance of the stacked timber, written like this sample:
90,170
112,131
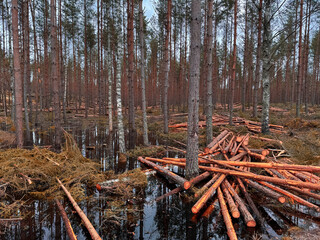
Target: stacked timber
230,171
221,120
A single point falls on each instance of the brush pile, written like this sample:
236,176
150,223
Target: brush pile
221,120
31,174
240,172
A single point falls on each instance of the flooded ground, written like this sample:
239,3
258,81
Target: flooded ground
143,217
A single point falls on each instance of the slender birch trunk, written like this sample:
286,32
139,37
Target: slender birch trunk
266,67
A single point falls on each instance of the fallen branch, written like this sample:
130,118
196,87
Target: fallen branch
176,178
87,223
226,217
66,221
205,197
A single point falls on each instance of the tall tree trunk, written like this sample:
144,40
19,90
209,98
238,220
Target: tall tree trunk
266,67
36,71
192,168
26,63
98,60
166,66
17,74
143,88
110,96
299,75
294,56
306,80
257,73
117,73
234,62
245,62
209,72
46,59
54,74
130,27
86,59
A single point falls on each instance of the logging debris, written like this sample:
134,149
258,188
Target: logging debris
32,173
221,120
228,163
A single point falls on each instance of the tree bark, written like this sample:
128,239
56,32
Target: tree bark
192,168
209,72
86,58
299,75
130,41
234,62
257,73
117,73
17,75
166,66
143,88
26,63
54,74
266,67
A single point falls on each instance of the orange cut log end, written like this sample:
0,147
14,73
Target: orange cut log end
186,185
98,186
282,199
251,223
194,210
236,214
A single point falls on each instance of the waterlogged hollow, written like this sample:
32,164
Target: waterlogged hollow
141,217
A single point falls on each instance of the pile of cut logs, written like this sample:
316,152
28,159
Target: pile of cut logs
221,120
228,180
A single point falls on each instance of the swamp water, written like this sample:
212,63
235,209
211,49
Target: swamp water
141,217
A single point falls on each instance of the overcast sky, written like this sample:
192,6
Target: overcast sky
148,8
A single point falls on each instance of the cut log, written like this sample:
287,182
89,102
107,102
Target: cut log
226,149
293,197
304,177
238,156
226,217
269,165
241,143
267,139
87,223
210,209
266,191
249,220
179,189
218,138
215,146
246,174
206,186
205,197
232,206
302,191
66,221
233,149
250,201
174,177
